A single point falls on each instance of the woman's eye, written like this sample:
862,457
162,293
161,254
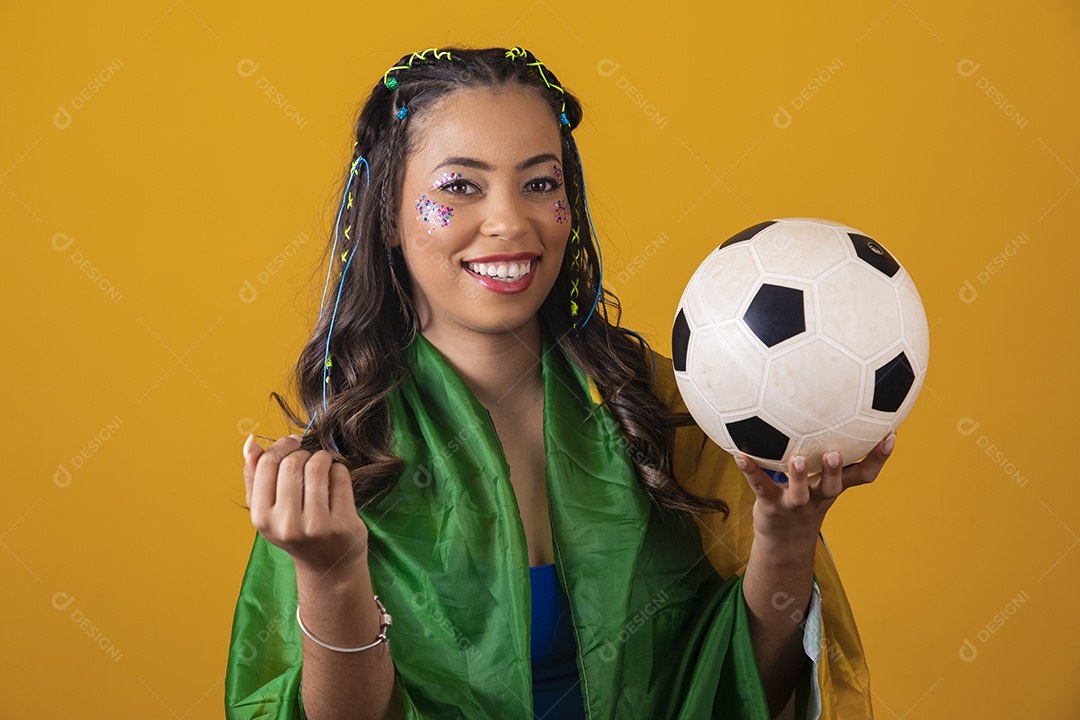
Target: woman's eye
543,185
457,187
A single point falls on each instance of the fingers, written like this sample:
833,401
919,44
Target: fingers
762,485
289,502
867,470
802,486
252,451
265,486
317,485
831,482
342,500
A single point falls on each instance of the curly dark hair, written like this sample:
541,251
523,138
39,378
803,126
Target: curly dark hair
375,320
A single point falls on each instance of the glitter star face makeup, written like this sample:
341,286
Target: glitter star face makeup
437,214
562,211
556,172
446,178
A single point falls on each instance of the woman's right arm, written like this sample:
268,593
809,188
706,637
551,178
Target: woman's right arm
303,503
339,608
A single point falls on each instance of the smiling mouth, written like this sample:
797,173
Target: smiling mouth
505,271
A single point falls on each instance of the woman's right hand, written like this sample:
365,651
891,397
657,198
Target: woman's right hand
303,503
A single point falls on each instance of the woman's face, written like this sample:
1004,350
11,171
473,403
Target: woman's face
483,219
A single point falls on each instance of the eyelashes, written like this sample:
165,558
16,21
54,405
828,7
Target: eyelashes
448,181
554,181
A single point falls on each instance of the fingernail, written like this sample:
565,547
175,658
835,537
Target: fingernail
799,463
741,462
890,443
833,460
247,444
295,437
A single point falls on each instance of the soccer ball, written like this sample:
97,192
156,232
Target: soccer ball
798,336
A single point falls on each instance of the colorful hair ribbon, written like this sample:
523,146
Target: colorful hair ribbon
346,257
392,83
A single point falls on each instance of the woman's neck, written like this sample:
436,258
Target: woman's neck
503,370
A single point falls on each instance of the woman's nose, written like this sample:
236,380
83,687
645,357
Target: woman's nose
506,217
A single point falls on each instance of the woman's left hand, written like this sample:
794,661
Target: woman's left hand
796,510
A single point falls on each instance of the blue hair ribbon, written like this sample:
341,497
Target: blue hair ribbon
353,171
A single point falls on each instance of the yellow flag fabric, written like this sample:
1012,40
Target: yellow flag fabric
843,676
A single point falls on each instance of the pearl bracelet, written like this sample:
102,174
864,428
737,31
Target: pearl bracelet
385,621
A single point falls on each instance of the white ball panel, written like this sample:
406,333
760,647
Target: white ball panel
728,276
863,428
771,464
813,387
707,417
728,367
864,315
801,250
916,331
851,449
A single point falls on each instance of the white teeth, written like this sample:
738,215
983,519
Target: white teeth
502,271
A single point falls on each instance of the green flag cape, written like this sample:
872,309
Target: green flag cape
659,633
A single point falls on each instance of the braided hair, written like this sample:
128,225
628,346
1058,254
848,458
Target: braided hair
355,358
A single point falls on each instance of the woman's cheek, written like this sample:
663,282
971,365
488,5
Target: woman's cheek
562,212
433,213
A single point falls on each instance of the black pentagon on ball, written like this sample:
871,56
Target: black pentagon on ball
747,233
892,381
680,340
871,252
756,437
776,314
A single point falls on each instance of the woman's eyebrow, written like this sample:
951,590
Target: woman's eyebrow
464,162
481,165
537,160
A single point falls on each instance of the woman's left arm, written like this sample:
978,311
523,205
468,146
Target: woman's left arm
779,575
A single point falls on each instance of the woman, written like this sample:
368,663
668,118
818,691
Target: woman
475,410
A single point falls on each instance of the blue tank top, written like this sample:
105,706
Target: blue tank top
556,685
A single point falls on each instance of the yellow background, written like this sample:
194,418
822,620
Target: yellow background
177,179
